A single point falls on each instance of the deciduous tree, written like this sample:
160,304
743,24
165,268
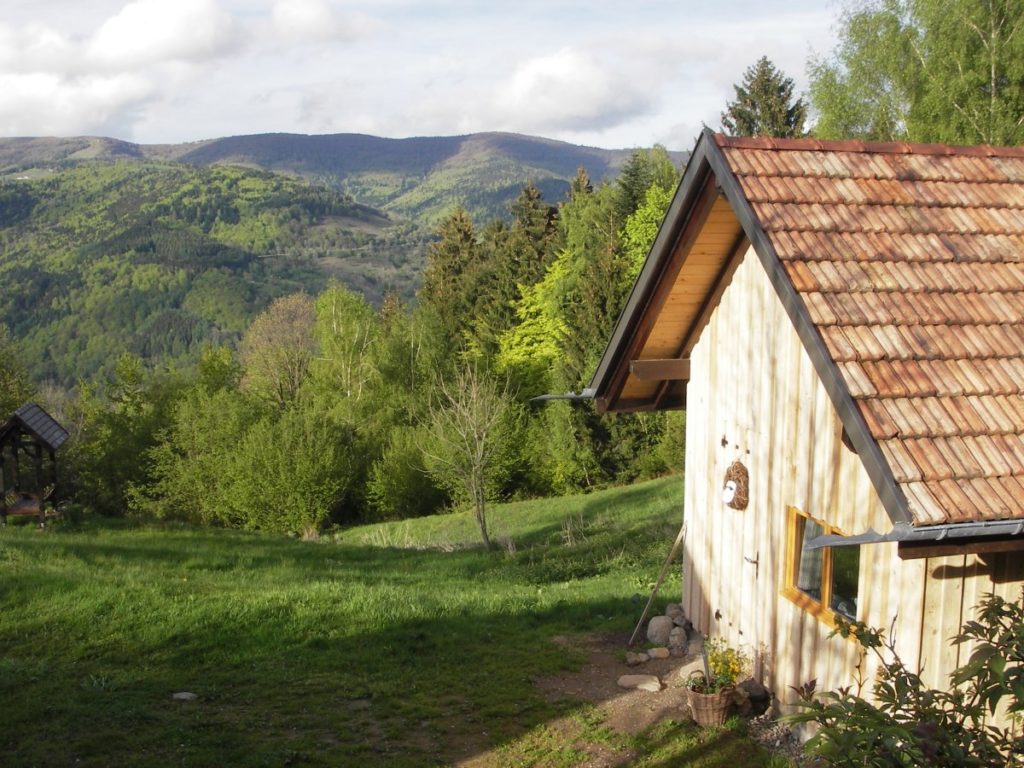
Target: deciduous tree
15,386
924,70
346,330
472,430
278,347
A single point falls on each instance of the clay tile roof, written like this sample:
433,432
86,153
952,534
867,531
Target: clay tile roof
909,260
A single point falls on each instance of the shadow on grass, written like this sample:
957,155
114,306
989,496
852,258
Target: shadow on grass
298,653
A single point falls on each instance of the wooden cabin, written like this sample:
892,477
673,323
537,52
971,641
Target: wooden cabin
29,440
843,323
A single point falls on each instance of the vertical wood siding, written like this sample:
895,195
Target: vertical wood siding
754,397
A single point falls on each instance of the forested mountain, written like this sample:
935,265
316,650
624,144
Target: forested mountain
108,246
157,259
418,178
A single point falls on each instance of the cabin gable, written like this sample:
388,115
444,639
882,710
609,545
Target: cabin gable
842,319
757,399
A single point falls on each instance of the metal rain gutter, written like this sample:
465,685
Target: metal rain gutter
572,397
904,532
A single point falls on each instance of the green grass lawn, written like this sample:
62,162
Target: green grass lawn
398,644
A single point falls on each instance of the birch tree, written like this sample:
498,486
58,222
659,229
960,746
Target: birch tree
947,71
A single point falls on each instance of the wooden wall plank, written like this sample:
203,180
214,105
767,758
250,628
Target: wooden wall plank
753,383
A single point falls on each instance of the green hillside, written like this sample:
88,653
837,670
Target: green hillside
421,178
158,258
108,246
401,644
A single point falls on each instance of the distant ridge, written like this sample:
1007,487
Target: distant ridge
421,178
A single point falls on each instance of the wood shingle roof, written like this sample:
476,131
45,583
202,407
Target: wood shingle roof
909,261
39,423
903,268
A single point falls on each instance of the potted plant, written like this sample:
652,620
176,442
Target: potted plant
710,693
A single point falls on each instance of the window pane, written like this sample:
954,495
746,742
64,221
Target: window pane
808,579
845,567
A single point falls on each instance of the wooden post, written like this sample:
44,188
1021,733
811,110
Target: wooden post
14,463
38,461
661,577
3,490
53,474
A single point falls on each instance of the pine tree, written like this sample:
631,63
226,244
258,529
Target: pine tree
451,275
764,104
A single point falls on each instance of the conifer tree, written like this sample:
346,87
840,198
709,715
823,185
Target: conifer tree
764,104
451,275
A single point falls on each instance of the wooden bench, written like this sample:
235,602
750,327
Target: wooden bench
27,505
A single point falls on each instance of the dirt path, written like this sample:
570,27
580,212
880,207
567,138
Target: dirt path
624,711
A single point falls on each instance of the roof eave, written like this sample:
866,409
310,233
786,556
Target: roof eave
904,533
708,158
690,187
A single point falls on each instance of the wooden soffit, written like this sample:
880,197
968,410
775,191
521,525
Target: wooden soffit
647,363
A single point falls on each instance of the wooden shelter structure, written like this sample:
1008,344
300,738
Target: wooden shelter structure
30,436
844,322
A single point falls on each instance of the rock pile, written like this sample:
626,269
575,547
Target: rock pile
670,635
672,629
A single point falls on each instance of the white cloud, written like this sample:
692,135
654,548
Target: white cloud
50,105
35,48
297,21
149,31
569,90
202,68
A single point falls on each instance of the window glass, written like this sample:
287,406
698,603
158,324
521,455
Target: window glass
845,567
809,571
825,580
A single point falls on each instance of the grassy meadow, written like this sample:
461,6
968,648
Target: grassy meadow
400,644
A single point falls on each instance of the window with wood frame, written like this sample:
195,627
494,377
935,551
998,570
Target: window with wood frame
825,581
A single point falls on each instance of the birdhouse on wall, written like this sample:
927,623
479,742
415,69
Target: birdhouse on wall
736,487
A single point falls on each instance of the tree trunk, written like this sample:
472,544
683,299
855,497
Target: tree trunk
479,511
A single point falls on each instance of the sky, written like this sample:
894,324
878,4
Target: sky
614,74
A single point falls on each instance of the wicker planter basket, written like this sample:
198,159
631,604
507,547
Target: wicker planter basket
710,708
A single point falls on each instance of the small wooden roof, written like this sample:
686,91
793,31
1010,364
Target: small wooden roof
902,269
37,422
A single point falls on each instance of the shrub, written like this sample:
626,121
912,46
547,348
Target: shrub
908,724
399,485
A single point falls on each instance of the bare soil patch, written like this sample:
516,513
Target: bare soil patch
625,712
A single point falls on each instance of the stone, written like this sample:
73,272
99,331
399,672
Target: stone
758,697
633,659
678,638
184,696
754,690
658,653
674,611
640,682
658,630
